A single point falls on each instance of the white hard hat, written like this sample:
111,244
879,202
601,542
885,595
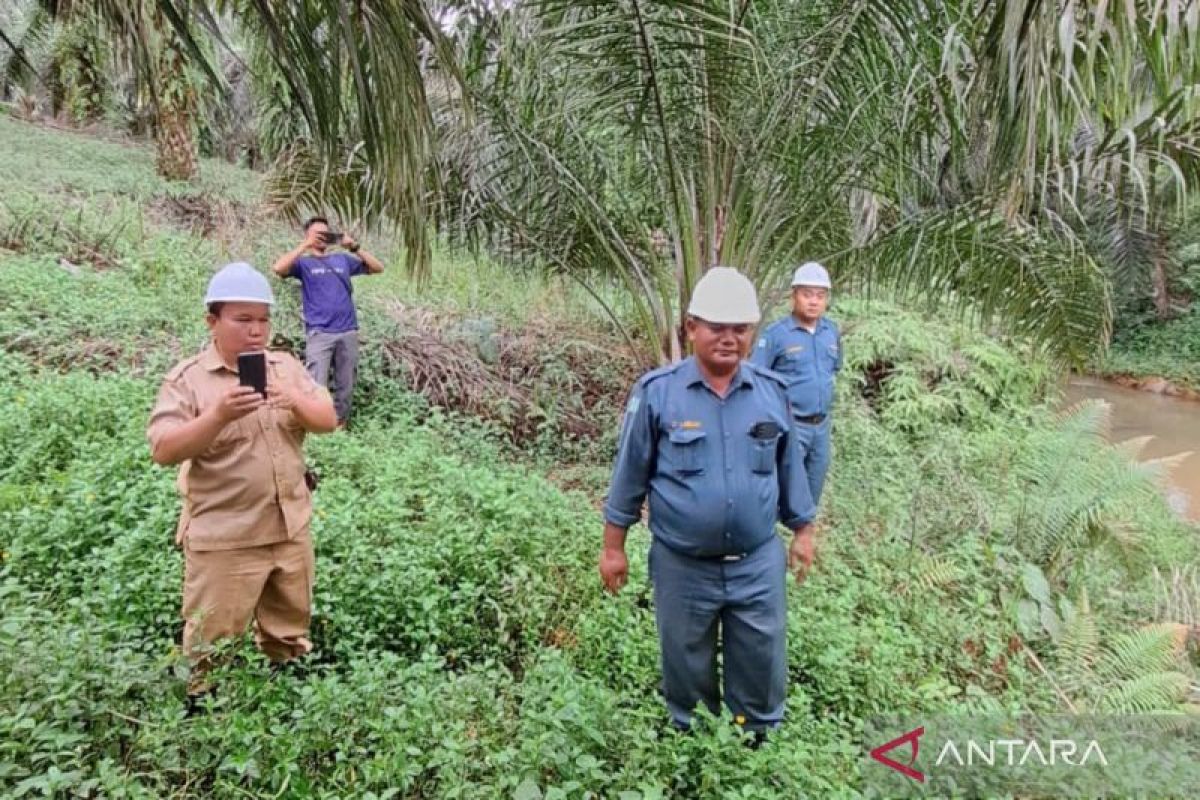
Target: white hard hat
239,283
811,274
724,296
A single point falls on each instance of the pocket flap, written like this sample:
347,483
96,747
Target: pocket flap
231,433
686,435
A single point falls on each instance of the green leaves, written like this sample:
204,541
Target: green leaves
638,144
528,790
1040,288
356,79
464,648
1035,584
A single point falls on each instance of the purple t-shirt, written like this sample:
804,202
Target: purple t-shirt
325,290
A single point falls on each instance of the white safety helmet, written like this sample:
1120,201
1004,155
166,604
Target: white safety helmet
239,283
811,274
725,296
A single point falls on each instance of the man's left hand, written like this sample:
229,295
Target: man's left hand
349,242
802,552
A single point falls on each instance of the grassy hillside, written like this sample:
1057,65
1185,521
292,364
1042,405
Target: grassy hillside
463,646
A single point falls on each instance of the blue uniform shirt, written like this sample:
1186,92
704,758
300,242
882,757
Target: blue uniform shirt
719,472
808,361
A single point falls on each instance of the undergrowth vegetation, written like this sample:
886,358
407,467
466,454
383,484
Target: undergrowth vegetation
981,552
1145,346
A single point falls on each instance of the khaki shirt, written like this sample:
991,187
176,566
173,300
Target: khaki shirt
248,488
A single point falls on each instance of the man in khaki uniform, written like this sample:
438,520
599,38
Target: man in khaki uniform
244,526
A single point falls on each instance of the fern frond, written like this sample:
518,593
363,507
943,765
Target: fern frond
934,573
1090,419
1130,448
1151,649
1156,691
1078,647
1159,469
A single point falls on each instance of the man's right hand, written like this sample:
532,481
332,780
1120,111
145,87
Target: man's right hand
237,403
614,568
802,551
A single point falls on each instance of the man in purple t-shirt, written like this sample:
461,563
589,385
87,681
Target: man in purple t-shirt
330,321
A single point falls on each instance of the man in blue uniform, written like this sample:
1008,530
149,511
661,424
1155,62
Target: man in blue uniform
710,441
805,347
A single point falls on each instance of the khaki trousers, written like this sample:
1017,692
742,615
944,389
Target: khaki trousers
224,589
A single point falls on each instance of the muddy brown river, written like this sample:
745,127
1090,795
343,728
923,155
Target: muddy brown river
1174,423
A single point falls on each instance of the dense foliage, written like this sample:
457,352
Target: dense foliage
1019,161
463,647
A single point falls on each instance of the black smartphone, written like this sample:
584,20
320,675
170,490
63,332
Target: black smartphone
331,237
252,371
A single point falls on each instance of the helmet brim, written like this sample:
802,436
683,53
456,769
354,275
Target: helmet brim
239,299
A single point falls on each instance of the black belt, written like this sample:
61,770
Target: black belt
729,557
811,419
725,557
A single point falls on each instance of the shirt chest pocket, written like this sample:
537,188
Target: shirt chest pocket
829,355
230,436
685,450
762,454
795,361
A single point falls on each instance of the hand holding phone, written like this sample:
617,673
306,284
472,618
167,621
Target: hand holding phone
237,403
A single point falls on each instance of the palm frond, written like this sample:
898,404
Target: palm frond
17,66
645,142
971,260
21,67
354,74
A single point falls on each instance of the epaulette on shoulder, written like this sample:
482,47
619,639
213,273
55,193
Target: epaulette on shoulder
657,373
183,366
782,322
280,356
770,374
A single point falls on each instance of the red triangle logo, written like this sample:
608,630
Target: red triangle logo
913,739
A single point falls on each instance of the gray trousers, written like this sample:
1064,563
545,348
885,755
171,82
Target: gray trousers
747,601
336,353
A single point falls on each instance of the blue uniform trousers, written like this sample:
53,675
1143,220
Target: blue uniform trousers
745,603
816,452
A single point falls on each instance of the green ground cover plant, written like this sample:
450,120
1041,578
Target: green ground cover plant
982,551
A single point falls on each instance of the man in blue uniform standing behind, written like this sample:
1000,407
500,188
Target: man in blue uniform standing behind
805,347
709,440
330,319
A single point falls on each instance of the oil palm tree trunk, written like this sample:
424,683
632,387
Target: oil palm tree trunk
175,108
